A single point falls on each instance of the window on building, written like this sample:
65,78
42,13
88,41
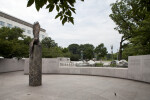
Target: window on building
29,32
2,23
24,29
9,25
16,26
43,36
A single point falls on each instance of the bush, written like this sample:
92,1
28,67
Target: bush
99,65
113,65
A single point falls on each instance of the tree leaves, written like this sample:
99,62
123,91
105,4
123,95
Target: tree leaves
73,10
51,8
71,20
37,5
68,13
65,8
64,20
129,16
57,8
30,2
10,45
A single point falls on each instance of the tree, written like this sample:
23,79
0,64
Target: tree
124,25
101,51
65,8
10,45
66,52
74,48
52,52
88,51
132,20
50,49
47,42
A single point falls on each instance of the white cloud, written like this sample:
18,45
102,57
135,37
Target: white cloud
92,22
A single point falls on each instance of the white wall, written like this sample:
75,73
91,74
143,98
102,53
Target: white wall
22,26
8,65
49,65
138,68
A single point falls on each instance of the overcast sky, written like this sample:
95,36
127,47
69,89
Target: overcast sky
92,22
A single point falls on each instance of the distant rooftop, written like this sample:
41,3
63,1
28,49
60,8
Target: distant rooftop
10,17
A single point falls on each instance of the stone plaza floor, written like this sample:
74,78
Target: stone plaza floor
14,86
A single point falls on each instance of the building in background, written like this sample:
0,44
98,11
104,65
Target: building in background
7,20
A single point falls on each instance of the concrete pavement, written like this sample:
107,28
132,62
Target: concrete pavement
14,86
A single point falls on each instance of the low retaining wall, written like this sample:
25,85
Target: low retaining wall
138,69
100,71
8,65
49,65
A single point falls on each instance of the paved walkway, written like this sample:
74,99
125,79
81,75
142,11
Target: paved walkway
14,86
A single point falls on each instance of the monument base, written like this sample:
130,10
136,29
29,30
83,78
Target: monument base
35,67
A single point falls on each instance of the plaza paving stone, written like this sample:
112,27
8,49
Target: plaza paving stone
14,86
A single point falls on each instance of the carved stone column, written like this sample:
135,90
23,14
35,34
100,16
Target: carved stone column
35,67
35,58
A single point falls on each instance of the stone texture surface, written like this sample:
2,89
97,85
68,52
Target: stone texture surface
8,65
14,86
100,71
139,68
35,67
49,65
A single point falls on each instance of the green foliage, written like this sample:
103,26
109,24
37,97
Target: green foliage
64,8
88,51
101,51
74,57
99,65
65,50
47,42
51,52
50,49
113,65
11,46
132,18
74,48
108,56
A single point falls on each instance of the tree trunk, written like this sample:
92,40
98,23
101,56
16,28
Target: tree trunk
120,49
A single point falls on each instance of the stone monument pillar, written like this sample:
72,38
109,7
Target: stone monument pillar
35,58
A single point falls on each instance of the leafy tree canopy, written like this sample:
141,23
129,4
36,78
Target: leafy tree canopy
132,18
65,8
88,51
47,42
100,50
74,48
10,45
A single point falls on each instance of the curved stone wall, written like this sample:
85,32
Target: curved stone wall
8,65
100,71
138,69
